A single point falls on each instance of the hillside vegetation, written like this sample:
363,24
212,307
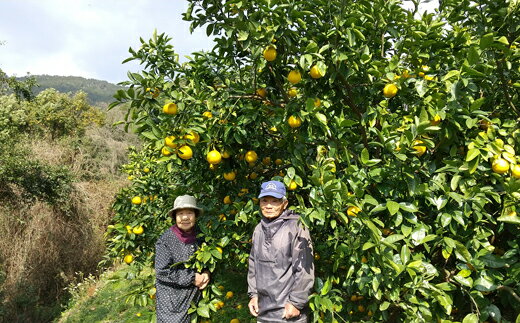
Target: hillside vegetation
59,170
99,93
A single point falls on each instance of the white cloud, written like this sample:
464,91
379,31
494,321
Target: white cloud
87,38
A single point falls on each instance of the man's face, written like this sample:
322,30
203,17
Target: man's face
185,219
271,207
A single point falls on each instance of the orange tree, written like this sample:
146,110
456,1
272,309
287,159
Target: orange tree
395,131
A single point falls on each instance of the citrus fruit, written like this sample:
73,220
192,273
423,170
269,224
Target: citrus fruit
170,108
294,77
128,259
515,172
138,230
353,298
364,259
226,154
253,175
361,308
292,92
500,166
484,124
136,200
353,210
315,72
270,53
220,251
294,121
185,152
266,161
251,156
229,294
317,102
213,157
262,92
436,120
165,151
292,186
227,199
278,162
390,90
193,136
419,148
207,114
230,176
146,170
234,321
170,142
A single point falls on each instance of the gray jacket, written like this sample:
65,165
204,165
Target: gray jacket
281,267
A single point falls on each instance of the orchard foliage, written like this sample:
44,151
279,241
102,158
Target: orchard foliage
410,219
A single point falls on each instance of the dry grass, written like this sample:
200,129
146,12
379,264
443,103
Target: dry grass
46,249
42,248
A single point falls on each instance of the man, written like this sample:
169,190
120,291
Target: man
281,268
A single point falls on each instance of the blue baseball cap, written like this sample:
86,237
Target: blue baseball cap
272,188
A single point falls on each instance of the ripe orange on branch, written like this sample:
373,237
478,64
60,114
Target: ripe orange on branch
500,166
214,157
270,53
294,76
315,72
353,210
294,121
193,136
170,108
251,156
390,90
170,142
185,152
419,147
515,172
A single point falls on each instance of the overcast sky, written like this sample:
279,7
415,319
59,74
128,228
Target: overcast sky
88,38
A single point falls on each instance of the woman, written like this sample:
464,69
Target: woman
177,286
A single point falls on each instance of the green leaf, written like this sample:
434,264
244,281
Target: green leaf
321,117
462,251
484,283
203,310
503,40
393,207
326,287
472,154
408,207
385,305
513,219
470,318
242,35
494,312
364,156
368,245
451,74
149,135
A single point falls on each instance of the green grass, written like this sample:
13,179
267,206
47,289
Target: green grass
104,300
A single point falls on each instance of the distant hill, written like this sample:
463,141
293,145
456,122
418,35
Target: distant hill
99,92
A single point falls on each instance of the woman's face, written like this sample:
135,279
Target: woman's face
185,219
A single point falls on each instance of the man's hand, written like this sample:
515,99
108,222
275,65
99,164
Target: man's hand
253,306
201,280
290,311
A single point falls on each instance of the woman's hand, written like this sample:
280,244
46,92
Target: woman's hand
201,280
